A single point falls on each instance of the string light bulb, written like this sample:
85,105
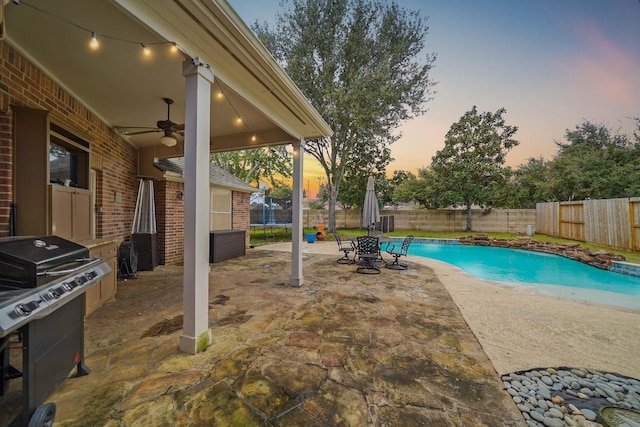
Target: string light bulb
173,48
93,43
145,50
238,121
253,138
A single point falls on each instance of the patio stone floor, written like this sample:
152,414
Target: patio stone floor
344,349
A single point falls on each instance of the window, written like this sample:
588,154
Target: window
220,210
68,159
62,165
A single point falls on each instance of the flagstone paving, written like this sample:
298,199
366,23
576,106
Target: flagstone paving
345,349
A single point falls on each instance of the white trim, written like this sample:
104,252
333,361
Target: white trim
297,278
196,335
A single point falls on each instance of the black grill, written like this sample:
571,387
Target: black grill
31,262
42,282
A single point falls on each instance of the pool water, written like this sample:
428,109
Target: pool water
519,267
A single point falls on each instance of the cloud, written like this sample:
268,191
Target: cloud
602,68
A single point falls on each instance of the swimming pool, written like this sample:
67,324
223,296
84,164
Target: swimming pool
519,267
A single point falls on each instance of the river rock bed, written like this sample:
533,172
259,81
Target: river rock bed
557,397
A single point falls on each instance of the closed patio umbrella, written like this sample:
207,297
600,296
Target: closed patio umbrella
370,209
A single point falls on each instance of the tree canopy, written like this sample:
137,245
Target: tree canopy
256,164
420,189
470,165
363,67
592,162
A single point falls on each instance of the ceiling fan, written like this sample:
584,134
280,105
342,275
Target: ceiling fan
169,128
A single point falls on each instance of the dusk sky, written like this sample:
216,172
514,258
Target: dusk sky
551,63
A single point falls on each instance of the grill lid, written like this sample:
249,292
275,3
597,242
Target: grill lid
22,258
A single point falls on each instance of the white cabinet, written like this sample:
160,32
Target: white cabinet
70,212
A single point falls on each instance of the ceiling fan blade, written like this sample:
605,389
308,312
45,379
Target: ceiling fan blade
142,132
166,126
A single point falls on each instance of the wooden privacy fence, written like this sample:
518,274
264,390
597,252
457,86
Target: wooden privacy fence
610,222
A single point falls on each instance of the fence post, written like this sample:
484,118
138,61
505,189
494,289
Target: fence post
634,226
559,219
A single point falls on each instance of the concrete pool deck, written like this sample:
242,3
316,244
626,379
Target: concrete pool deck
522,328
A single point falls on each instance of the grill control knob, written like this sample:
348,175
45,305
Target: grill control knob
69,286
26,308
54,293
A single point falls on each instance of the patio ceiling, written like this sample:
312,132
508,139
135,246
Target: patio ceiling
125,88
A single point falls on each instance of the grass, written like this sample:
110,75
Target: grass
258,237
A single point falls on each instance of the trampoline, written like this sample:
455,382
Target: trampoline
269,226
271,219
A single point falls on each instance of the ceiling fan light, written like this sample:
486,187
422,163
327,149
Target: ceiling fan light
168,141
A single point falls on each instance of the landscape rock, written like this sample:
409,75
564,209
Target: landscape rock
565,406
600,259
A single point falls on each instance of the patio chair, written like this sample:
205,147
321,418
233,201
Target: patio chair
346,250
368,253
379,234
397,253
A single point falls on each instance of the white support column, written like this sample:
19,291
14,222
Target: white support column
296,232
196,335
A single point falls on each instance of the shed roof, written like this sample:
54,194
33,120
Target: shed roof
217,176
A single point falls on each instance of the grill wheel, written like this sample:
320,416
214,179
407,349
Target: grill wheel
43,416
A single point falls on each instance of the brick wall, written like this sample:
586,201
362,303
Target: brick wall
6,154
241,213
170,221
113,159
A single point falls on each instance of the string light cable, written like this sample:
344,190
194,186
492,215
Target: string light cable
95,36
238,117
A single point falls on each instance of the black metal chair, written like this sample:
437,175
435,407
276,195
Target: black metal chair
397,253
380,235
368,253
346,250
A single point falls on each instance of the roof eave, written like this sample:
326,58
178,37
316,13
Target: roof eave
212,31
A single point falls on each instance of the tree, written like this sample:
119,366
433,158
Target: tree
470,165
361,64
420,189
352,189
595,163
282,195
528,184
256,164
